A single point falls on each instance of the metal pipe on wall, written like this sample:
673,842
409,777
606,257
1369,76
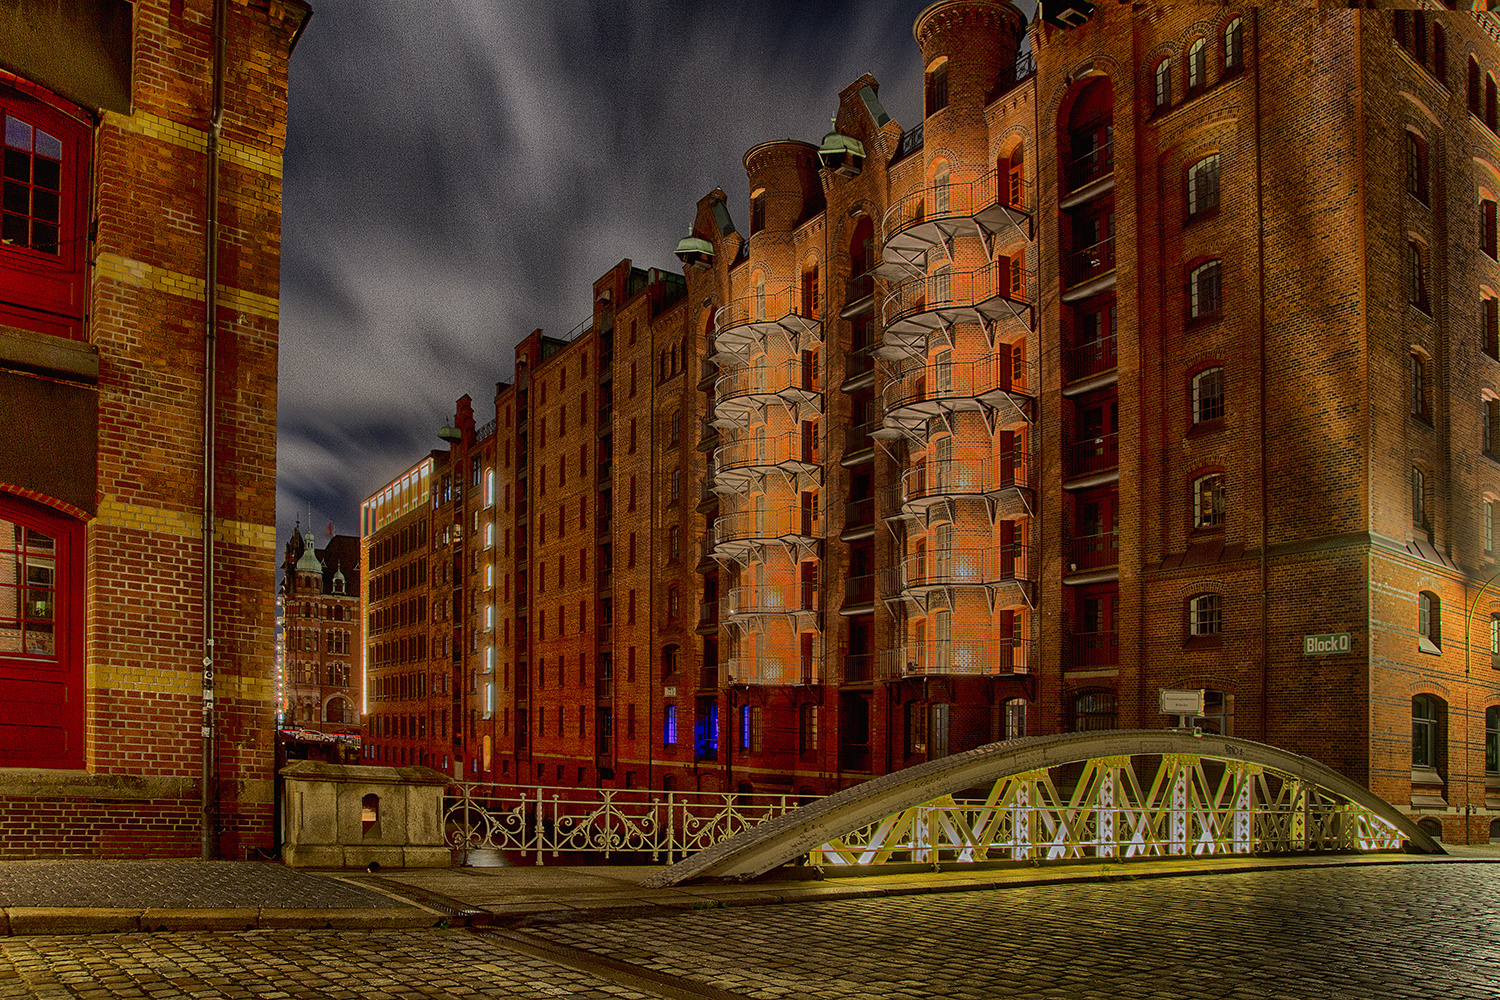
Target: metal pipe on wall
208,791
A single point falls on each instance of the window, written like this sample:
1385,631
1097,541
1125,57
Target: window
1489,101
674,427
1487,226
1473,86
41,636
669,726
1416,291
1234,45
674,607
1418,500
1204,615
1492,740
674,543
1417,386
757,211
1197,64
1203,290
1439,53
669,659
1429,622
1015,718
941,200
1416,167
1424,732
676,485
1208,395
750,728
1489,527
1163,84
1208,501
1490,318
1092,711
1489,418
937,87
1203,186
807,729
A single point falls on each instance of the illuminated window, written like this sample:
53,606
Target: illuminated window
1204,290
1205,615
1163,83
1208,395
1197,64
1208,501
1429,622
1234,45
937,87
1203,185
1425,717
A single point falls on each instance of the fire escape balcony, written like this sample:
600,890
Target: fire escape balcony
859,444
859,295
1004,569
1091,365
1001,480
797,599
1086,650
920,305
743,327
988,206
708,617
741,392
859,519
1092,461
744,459
996,385
1092,557
1089,271
1089,176
955,657
738,533
776,671
859,595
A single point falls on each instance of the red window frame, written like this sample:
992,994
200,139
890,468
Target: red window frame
41,696
41,291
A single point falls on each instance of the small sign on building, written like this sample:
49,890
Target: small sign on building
1182,702
1327,644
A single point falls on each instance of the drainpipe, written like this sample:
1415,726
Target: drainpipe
208,792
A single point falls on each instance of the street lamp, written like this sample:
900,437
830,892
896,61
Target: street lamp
1468,668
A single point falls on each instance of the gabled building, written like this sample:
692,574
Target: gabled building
320,684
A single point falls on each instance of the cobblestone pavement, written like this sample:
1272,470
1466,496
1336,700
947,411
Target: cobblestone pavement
1388,931
175,884
1419,930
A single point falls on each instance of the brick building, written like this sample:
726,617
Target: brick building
321,636
1164,344
139,275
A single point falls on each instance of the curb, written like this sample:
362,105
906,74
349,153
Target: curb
19,921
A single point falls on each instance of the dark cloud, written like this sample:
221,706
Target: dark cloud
459,172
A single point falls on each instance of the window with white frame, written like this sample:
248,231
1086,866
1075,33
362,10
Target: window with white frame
1208,395
1163,83
1418,499
1489,527
1429,622
1203,185
1208,501
1203,290
1234,42
1424,732
1197,64
1204,615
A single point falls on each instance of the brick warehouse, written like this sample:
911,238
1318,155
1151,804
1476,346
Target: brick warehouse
1167,340
321,635
142,192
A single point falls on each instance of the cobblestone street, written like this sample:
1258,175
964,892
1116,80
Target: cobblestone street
1428,930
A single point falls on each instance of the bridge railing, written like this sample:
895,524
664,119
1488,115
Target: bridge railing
597,825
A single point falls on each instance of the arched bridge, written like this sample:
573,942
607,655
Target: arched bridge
1118,794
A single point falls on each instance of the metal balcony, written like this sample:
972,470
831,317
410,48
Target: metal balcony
859,295
1093,458
799,598
740,391
1089,271
967,566
737,533
919,305
859,595
1088,553
1091,649
1087,171
955,657
745,459
742,327
995,384
981,206
774,671
708,617
859,668
931,481
1092,358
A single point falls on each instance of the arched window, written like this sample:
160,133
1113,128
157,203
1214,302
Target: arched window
1439,53
1163,83
942,285
941,200
1208,395
1416,378
1017,174
41,636
810,288
943,545
1426,715
1418,500
937,86
1218,714
757,211
1205,616
1487,226
1208,501
1429,621
1416,268
862,248
1203,185
1234,43
1473,86
1203,290
943,464
1492,740
1489,101
760,295
1416,167
1197,64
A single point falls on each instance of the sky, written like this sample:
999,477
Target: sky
459,172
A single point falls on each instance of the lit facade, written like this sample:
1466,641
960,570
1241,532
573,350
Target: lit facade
320,636
1162,346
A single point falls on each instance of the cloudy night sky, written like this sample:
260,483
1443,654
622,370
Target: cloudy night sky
458,173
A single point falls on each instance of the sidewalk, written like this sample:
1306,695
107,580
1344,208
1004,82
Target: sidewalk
89,897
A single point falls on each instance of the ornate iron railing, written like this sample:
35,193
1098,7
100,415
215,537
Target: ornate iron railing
545,823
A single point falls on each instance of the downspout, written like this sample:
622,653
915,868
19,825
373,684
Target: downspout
207,783
1265,516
